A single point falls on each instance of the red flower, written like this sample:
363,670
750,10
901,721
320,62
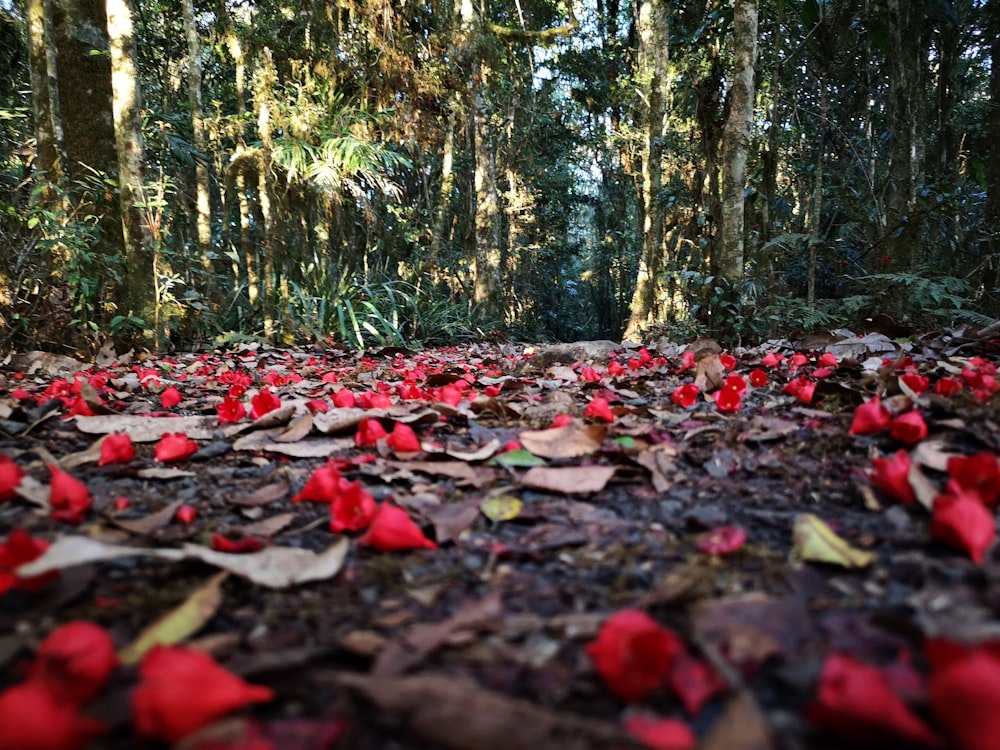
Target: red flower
80,408
855,700
403,439
242,546
979,473
869,418
69,498
727,360
174,446
947,387
758,378
915,382
344,399
694,682
323,485
170,397
633,654
562,419
10,477
660,734
263,403
186,514
75,661
317,405
116,448
892,476
230,410
771,360
32,718
908,428
727,399
685,395
370,431
801,387
21,548
687,362
616,368
392,529
589,375
353,509
736,382
599,409
723,540
450,394
827,359
797,360
181,690
964,695
961,520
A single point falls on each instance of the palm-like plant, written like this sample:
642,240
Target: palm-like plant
328,144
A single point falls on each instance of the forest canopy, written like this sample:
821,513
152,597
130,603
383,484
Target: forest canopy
180,173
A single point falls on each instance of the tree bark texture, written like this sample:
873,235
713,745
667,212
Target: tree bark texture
139,293
736,140
653,75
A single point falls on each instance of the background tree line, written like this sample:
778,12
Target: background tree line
397,171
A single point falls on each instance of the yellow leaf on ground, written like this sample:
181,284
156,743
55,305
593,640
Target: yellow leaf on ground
175,626
813,540
501,508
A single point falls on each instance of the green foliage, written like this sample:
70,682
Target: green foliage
383,314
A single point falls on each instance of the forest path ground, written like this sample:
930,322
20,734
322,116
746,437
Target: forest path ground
545,494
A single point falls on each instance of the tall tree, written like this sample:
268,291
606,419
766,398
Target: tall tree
653,77
203,206
140,281
736,141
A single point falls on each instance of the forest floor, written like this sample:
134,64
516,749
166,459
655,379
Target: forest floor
576,552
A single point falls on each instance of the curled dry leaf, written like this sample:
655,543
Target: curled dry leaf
273,567
571,441
815,541
568,479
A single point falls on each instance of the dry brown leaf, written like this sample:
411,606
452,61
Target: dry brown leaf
297,430
266,440
742,726
272,567
412,646
709,373
571,441
659,460
569,479
459,715
152,522
148,429
265,495
164,472
452,519
342,420
460,471
268,527
481,453
751,628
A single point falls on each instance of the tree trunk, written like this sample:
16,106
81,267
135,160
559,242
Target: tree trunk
653,73
736,140
139,293
203,218
992,268
81,28
487,259
45,92
264,84
907,62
